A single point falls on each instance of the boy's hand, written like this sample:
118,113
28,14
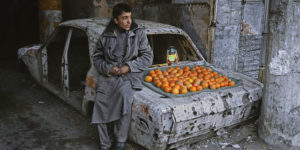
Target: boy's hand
114,71
124,69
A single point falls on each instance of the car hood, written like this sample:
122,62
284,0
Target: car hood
205,102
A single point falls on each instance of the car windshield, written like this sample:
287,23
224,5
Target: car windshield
161,42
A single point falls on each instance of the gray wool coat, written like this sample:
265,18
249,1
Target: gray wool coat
114,94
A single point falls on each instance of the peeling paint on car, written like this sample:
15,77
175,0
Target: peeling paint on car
91,82
29,50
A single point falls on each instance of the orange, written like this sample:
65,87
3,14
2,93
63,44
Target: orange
175,91
186,82
218,85
174,71
153,75
176,86
158,84
196,84
177,74
183,90
208,69
179,82
163,79
212,86
200,76
155,81
193,89
161,76
197,81
172,84
231,83
226,83
151,72
167,89
158,72
148,79
165,73
199,88
189,85
204,84
219,79
190,80
163,86
222,84
194,73
165,83
194,77
206,77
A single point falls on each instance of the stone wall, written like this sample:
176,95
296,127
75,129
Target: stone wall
238,36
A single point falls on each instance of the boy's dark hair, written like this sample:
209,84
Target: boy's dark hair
119,9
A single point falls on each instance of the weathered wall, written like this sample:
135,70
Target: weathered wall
250,43
280,115
50,15
74,9
238,36
227,33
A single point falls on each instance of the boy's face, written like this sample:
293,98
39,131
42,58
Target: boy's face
124,20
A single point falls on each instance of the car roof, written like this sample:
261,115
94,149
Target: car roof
96,26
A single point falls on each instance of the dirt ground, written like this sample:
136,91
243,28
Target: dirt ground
33,119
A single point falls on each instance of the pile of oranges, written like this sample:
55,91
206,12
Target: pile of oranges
189,79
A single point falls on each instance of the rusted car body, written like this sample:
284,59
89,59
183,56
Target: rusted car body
63,65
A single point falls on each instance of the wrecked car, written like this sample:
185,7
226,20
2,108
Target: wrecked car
63,65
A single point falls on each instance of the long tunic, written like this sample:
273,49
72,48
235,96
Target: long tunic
114,94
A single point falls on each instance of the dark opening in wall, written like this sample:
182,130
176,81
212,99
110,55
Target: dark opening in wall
19,26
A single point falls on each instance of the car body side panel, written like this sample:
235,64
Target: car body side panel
30,56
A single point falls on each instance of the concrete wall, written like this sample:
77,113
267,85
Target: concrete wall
250,43
238,36
280,116
227,34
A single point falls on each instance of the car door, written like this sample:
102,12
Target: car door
52,55
65,62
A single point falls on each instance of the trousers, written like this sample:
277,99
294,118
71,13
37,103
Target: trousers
115,131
